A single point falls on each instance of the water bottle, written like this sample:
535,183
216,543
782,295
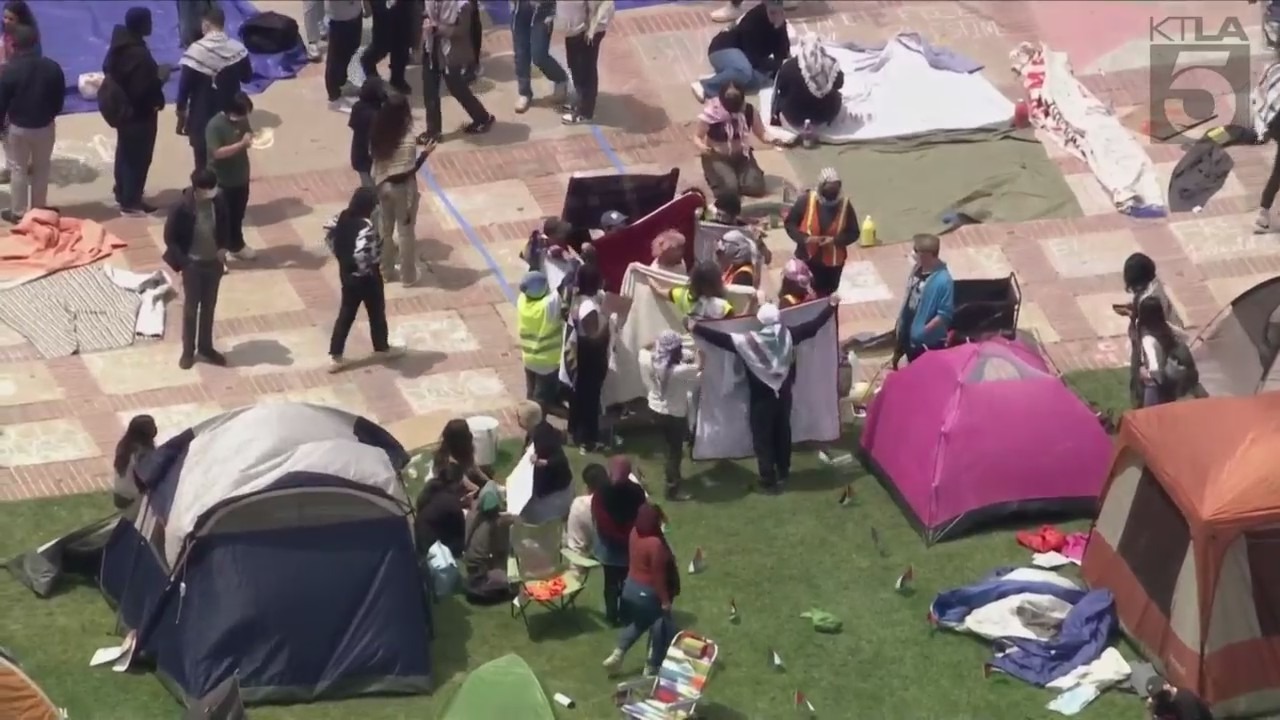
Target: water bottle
809,137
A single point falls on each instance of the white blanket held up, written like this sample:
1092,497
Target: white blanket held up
724,431
650,313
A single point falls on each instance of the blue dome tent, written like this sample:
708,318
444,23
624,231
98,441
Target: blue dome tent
274,545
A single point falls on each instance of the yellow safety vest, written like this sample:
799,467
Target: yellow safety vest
540,331
683,300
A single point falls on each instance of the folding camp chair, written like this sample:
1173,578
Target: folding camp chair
675,692
542,569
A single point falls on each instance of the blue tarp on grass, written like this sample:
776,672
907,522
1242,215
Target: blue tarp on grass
76,34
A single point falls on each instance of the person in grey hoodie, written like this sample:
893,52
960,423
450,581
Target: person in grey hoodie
584,23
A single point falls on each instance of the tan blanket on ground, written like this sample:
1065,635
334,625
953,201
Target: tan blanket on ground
45,242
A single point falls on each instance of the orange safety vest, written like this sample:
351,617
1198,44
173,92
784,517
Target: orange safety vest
731,272
831,255
789,300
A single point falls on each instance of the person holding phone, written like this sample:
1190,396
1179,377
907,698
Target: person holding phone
1140,282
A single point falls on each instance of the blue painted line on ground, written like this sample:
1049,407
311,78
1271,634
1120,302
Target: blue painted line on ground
608,150
470,232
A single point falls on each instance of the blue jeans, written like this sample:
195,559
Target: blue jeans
531,43
644,613
732,65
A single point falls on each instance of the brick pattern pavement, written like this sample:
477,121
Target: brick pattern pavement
61,418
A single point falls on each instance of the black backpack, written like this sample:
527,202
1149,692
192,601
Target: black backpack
113,103
270,32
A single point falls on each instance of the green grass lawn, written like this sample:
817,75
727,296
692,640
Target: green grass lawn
775,557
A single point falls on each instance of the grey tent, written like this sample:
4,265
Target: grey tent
76,553
1236,352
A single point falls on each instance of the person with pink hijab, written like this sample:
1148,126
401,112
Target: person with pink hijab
797,284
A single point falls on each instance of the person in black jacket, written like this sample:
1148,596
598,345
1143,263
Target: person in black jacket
196,236
439,518
393,36
749,52
213,69
132,68
358,249
770,357
372,94
32,90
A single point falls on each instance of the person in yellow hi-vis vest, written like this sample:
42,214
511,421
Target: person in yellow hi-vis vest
823,225
541,326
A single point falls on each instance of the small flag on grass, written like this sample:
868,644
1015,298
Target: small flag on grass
733,611
846,495
697,563
903,583
875,540
775,661
803,704
987,670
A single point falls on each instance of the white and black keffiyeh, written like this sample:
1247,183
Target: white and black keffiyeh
817,66
212,53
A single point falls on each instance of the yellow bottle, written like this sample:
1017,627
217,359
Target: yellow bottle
867,238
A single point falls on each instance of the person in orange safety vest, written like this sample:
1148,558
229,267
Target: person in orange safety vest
823,225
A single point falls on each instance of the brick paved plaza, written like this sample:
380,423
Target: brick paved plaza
61,418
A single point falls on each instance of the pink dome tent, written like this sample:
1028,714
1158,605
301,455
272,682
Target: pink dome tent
982,432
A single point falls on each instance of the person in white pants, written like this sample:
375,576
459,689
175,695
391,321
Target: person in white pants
733,10
313,27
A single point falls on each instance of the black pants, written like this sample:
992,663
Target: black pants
477,31
615,576
200,281
135,147
199,151
542,389
584,405
826,279
344,41
455,81
369,292
674,431
237,204
392,36
583,59
771,435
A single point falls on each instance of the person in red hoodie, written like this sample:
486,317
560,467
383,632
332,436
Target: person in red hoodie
613,511
653,582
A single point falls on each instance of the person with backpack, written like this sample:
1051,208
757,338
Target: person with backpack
130,100
213,69
32,92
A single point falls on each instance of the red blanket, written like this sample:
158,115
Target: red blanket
634,243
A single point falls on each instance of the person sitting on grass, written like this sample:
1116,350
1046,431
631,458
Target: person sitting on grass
580,531
454,463
488,546
439,518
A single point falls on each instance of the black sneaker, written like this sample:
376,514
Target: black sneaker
480,128
427,138
675,494
9,217
186,362
772,488
213,357
402,87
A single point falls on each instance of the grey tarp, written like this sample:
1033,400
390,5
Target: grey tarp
907,185
78,552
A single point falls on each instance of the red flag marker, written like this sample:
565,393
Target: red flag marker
802,703
987,670
697,563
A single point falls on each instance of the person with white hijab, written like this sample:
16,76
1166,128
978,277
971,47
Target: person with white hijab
807,87
769,355
670,376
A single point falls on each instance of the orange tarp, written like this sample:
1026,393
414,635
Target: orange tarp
44,243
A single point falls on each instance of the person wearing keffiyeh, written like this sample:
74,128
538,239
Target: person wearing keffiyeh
213,69
797,284
738,259
670,375
723,138
769,355
808,87
1266,122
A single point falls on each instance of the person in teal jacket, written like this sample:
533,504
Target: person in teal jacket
929,304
